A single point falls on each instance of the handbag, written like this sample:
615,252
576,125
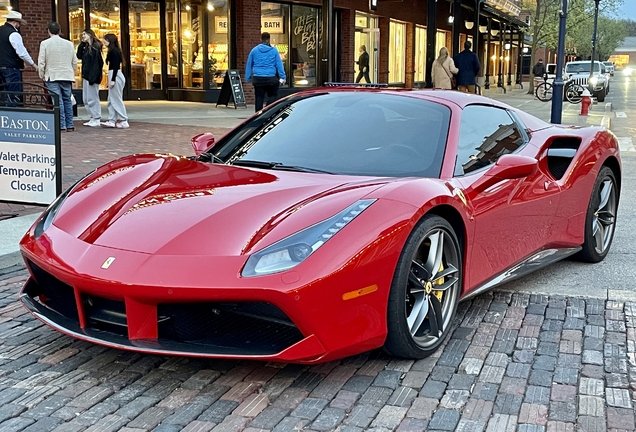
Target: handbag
452,79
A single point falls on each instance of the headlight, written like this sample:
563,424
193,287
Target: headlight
291,251
593,81
46,219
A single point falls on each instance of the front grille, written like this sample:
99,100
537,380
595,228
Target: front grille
580,81
53,293
104,314
252,328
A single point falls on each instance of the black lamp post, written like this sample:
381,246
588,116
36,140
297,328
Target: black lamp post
593,40
557,85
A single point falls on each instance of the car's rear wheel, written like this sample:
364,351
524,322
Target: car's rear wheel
425,290
601,218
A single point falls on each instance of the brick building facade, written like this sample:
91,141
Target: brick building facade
180,49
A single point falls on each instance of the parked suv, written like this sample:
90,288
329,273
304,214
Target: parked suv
579,72
609,66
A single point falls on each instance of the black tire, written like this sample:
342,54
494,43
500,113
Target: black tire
600,220
600,96
413,330
544,92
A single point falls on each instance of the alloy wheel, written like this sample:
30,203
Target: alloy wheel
432,287
605,216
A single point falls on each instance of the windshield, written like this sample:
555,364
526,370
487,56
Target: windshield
354,133
608,64
581,67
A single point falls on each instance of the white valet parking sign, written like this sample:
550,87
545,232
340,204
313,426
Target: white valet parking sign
28,156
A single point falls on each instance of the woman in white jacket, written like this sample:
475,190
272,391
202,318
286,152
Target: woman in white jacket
443,69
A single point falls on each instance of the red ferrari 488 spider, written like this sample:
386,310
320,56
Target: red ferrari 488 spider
335,221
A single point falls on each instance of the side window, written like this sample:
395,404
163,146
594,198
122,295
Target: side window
485,133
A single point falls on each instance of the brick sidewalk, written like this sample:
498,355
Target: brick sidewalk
88,148
514,362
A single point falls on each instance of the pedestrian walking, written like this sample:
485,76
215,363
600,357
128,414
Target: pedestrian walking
56,66
90,52
538,71
265,70
443,70
13,54
117,116
363,65
468,65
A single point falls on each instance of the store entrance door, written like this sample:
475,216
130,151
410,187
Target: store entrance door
142,45
368,34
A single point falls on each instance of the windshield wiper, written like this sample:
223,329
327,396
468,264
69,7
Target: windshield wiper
277,166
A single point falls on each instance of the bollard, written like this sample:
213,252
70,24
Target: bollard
585,102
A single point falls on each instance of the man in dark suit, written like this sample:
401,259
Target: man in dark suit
468,65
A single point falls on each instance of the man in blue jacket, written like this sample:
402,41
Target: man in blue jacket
468,65
265,70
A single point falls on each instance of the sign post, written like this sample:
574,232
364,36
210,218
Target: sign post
232,90
30,148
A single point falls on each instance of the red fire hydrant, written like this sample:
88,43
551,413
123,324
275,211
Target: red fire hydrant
586,101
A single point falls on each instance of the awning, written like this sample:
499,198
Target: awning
503,16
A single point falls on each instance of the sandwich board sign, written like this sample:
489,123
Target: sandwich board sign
232,90
30,165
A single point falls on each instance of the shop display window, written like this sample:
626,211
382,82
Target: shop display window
420,54
440,41
218,46
397,52
145,45
77,24
304,45
191,36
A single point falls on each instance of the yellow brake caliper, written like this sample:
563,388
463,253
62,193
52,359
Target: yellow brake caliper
439,294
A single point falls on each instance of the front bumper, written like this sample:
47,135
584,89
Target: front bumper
200,306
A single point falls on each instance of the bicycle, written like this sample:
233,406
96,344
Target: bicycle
573,92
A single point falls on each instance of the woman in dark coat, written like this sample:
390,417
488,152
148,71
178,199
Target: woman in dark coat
363,65
90,53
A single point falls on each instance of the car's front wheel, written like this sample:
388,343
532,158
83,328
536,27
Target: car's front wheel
425,290
601,217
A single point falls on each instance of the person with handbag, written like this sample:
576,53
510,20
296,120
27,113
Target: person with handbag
90,52
443,70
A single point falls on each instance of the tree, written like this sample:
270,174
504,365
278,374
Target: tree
609,35
630,27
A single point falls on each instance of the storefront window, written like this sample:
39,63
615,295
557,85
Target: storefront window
274,18
397,52
172,43
304,44
77,24
218,38
104,19
145,45
192,43
7,5
440,41
420,54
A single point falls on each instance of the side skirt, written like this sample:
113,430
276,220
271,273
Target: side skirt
527,266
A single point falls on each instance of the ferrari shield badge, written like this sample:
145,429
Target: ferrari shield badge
108,262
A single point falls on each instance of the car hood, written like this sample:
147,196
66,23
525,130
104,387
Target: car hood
165,204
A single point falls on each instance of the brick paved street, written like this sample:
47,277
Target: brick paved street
87,148
514,362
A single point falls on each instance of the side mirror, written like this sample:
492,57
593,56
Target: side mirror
507,167
202,142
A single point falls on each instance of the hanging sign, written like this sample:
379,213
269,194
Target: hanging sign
29,156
